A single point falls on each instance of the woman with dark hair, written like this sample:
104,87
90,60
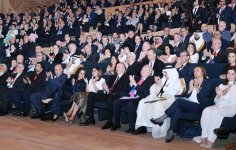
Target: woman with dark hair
143,24
225,106
97,89
194,56
112,66
231,63
169,54
79,97
199,91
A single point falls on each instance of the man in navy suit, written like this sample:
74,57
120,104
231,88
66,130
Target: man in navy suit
185,35
166,37
52,90
92,17
184,68
224,13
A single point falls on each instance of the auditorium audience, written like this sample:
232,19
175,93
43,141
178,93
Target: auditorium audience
98,89
162,95
63,36
139,88
50,94
199,91
79,97
225,106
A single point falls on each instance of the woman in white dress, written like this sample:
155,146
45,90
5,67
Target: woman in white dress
194,56
169,55
225,106
97,88
153,107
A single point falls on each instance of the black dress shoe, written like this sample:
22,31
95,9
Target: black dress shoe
47,116
88,122
107,125
36,116
168,140
23,114
115,127
221,133
154,122
16,113
129,130
140,130
169,136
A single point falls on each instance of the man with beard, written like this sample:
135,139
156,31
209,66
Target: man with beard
197,39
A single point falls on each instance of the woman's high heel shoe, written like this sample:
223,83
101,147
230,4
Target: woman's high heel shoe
66,117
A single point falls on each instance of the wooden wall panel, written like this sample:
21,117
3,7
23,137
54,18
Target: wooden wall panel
21,5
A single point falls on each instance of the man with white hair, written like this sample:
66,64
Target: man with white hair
14,85
225,33
131,65
3,75
216,54
224,13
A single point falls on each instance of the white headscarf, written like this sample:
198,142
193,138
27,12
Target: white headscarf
199,43
173,85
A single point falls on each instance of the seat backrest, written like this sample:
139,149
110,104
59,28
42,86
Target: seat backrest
183,83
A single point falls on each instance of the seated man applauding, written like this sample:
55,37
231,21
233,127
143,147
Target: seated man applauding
52,90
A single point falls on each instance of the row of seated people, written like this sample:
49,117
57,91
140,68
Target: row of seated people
164,86
48,25
107,51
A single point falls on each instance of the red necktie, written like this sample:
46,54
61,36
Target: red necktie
35,77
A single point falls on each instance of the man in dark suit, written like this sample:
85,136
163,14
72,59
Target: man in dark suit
198,16
154,63
224,13
216,54
56,56
184,68
149,37
90,57
52,90
28,48
185,35
14,85
118,88
139,90
167,37
227,126
3,75
138,45
132,65
34,82
178,45
92,17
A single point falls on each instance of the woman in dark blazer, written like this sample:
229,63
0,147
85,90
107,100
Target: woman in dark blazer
199,90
